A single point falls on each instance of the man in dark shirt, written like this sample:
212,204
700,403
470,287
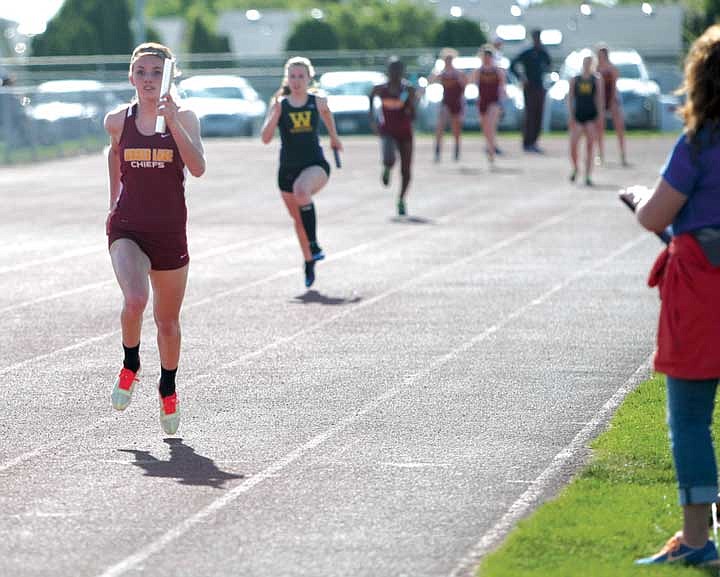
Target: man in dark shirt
535,63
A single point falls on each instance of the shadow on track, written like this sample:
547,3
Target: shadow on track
315,297
412,220
185,465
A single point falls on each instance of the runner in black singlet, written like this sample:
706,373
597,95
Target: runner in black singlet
585,106
303,169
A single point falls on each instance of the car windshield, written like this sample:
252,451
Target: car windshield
216,92
69,97
357,88
628,70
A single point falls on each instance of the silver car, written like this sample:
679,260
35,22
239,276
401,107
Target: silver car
226,105
347,96
512,106
639,95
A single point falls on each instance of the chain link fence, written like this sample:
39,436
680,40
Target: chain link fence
56,105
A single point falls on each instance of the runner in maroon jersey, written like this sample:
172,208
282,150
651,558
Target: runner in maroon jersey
491,89
453,103
146,221
397,97
613,105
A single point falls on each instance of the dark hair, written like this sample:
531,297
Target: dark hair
536,34
701,84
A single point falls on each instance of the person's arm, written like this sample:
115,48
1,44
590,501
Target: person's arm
410,106
658,210
371,110
547,62
519,59
271,120
185,128
571,103
600,96
502,83
329,120
113,126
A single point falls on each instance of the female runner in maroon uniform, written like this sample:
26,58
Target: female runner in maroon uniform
612,104
491,88
453,103
397,97
146,221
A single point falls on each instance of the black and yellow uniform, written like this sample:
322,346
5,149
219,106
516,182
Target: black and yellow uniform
584,99
300,143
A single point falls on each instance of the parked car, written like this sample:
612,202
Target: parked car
347,95
66,109
512,106
639,95
226,105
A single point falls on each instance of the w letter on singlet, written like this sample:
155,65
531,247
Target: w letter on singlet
301,121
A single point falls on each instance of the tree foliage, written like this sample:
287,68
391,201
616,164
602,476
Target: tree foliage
369,25
312,34
201,37
87,27
457,32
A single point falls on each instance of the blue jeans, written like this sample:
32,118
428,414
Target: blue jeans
690,409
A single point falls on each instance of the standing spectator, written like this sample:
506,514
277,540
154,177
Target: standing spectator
585,105
613,105
535,63
490,80
687,274
453,103
497,45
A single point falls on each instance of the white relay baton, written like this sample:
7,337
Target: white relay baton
164,88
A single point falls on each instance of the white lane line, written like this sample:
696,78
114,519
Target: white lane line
235,290
278,342
187,524
47,260
92,286
531,497
399,288
54,296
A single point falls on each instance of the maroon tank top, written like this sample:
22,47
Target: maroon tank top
396,120
488,86
609,85
452,89
152,173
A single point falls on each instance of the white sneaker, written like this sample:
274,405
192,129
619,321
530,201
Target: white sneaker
123,389
170,414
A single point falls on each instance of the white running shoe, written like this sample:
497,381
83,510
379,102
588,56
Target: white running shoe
170,414
123,389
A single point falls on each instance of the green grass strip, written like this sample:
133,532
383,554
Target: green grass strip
623,505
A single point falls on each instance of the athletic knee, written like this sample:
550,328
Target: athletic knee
302,195
168,327
135,304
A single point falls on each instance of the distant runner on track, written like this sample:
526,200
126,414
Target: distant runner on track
397,97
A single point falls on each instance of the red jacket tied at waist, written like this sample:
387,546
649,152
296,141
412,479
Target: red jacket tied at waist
688,338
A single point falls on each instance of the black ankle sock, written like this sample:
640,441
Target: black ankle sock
167,382
307,214
132,358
